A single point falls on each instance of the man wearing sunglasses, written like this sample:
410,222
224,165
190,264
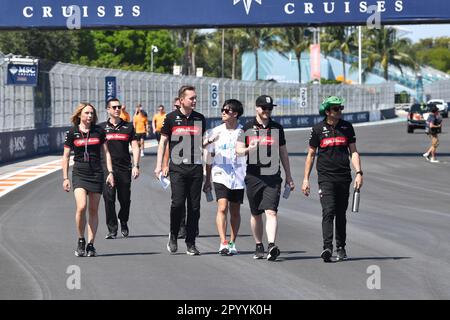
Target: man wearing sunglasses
263,141
336,143
119,135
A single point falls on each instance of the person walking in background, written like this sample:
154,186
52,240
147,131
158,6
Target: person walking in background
157,122
124,115
119,135
140,123
263,141
183,129
434,125
86,139
336,143
228,172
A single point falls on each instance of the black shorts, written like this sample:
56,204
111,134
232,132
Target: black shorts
263,192
88,176
140,136
222,192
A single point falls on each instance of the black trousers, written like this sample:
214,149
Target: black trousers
186,185
122,188
334,201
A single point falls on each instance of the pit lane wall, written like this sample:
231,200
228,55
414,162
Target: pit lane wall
31,143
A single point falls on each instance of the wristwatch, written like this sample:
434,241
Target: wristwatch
359,172
135,166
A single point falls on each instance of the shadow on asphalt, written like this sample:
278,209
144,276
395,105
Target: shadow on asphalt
377,258
127,254
382,154
166,235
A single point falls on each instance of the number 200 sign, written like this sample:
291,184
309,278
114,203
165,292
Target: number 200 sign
214,95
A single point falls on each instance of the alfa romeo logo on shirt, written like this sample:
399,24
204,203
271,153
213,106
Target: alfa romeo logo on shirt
247,4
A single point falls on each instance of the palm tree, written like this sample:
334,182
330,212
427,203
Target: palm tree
339,38
383,48
260,38
294,39
235,40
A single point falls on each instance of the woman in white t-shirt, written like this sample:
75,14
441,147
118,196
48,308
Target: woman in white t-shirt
228,172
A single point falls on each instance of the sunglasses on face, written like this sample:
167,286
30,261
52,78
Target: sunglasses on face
226,110
116,107
337,108
267,108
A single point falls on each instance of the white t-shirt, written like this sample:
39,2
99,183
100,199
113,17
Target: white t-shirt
227,168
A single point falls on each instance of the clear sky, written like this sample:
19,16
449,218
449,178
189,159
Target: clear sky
421,31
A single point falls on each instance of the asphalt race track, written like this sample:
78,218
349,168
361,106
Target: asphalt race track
398,244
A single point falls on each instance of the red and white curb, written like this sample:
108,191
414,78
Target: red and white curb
17,179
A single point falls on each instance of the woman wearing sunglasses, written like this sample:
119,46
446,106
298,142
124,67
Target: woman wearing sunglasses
336,143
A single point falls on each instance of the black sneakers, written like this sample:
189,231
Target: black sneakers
111,235
192,250
124,229
341,254
172,245
326,255
272,252
81,248
91,250
259,252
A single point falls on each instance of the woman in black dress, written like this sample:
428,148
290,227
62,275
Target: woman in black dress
86,139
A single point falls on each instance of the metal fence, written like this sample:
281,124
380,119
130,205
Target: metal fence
438,90
16,104
63,86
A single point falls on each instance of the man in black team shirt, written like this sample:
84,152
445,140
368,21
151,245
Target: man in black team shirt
183,129
335,139
119,135
263,141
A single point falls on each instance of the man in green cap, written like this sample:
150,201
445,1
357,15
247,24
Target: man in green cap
336,143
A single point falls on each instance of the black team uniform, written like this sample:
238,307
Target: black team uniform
87,171
185,169
119,138
334,177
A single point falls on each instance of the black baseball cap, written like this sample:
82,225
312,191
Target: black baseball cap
265,101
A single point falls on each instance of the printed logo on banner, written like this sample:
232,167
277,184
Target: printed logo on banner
20,74
41,141
247,4
17,146
110,88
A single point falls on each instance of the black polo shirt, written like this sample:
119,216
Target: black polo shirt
185,137
90,141
333,157
119,138
267,155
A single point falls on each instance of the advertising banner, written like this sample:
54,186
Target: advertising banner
80,14
22,75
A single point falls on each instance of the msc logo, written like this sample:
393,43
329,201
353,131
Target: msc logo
23,70
247,4
17,144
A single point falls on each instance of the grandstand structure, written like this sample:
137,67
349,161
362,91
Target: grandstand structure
274,66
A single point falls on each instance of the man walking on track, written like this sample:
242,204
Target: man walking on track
119,135
183,129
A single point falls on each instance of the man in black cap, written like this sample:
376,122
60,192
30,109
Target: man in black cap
262,140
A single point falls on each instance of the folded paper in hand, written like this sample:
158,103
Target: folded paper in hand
164,181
